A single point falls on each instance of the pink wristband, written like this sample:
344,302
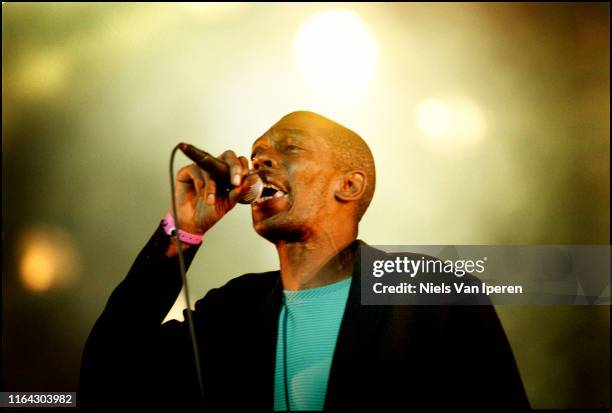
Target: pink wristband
170,228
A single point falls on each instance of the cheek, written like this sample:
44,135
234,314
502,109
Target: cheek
311,190
307,172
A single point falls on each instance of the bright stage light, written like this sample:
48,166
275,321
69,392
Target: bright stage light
334,49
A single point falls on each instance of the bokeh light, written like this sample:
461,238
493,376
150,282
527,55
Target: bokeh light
452,119
49,259
42,75
335,49
435,118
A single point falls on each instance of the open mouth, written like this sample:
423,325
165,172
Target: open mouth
270,192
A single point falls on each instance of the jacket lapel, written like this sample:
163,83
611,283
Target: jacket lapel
270,311
357,331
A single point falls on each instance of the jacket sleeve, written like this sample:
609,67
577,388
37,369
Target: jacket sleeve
489,376
124,357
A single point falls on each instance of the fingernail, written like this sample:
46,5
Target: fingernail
236,180
210,198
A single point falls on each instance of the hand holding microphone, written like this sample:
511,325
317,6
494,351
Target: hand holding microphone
207,190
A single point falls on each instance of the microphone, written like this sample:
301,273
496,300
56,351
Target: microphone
220,172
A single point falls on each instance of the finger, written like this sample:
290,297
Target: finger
244,189
190,179
210,191
186,181
188,174
199,180
184,174
184,184
203,184
230,158
244,162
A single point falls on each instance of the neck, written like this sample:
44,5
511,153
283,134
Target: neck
324,258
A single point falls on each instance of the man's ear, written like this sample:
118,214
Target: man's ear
351,186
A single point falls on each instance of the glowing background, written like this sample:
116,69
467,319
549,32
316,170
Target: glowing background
489,125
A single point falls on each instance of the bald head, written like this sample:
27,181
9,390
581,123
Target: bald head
349,150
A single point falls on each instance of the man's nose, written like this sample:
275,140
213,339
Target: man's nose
265,159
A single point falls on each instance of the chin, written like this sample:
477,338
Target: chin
276,229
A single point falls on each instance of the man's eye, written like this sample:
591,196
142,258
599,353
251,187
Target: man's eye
292,147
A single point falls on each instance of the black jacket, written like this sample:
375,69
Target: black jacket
398,358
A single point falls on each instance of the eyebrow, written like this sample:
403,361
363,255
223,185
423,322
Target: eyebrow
289,132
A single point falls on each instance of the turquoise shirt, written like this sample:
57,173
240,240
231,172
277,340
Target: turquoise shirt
313,321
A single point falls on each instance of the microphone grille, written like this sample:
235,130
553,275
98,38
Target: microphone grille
255,188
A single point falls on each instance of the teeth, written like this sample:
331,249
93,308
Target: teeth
271,186
277,194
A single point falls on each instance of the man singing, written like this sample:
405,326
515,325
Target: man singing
297,338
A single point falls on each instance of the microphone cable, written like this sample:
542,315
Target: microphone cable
179,246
